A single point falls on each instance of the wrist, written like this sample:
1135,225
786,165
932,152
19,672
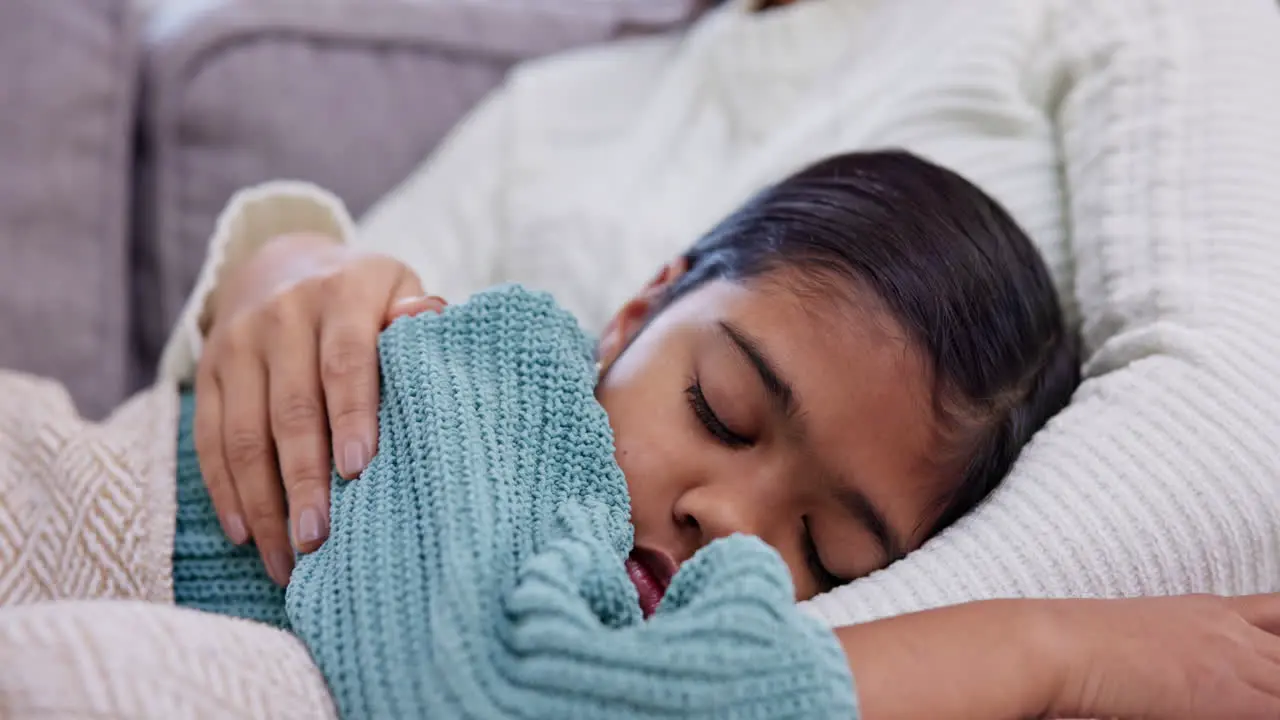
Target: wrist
1046,650
1062,634
1023,658
992,660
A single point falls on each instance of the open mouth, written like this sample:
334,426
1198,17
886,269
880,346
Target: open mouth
651,572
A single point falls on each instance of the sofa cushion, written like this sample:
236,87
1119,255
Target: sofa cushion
67,95
351,96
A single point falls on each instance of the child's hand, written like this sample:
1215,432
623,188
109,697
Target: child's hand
1180,658
1186,657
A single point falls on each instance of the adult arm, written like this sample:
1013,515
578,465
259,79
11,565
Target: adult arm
449,239
280,333
1160,478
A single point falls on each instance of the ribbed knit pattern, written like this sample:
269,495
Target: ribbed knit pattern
475,569
210,573
1138,141
1163,476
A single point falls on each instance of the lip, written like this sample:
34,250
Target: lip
650,571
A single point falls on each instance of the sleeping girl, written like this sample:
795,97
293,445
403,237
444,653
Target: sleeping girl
553,527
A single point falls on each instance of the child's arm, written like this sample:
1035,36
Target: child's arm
1181,657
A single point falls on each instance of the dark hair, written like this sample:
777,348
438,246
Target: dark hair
953,268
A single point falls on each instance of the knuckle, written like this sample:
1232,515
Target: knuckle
263,517
245,447
237,339
304,293
304,471
331,284
385,264
280,313
352,413
345,358
297,412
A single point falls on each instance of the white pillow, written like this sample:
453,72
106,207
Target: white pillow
1163,475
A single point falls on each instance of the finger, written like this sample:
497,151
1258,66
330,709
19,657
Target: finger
349,360
1262,611
1270,648
349,373
1250,702
1262,674
408,307
252,463
207,431
299,426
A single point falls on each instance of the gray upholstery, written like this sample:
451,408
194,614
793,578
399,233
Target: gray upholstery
120,143
350,98
68,73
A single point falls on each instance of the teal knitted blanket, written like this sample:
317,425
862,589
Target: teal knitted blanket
209,573
475,569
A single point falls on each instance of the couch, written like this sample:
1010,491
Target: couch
121,136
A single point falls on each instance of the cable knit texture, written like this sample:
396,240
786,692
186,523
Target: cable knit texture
1138,142
475,569
209,573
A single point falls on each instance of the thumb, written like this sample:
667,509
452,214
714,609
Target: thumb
410,306
405,295
407,286
408,299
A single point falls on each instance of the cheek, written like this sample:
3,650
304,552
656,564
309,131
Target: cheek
643,449
653,440
642,393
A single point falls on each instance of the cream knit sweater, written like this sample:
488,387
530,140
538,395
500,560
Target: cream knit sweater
1138,141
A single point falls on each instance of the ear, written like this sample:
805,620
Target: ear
636,311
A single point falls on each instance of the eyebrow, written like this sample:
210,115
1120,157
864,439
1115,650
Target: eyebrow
780,391
854,501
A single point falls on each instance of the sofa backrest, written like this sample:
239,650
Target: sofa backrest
350,95
68,81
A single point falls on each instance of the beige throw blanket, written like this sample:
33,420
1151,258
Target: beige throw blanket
87,514
86,509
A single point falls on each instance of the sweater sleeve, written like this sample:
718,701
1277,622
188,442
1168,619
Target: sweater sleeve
447,219
252,217
1161,476
444,221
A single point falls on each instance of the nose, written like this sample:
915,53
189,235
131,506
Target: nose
712,511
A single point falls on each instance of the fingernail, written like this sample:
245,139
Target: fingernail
280,566
233,526
310,526
355,455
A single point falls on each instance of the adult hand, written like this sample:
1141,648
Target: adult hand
1178,658
288,380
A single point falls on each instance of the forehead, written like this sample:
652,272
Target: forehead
864,388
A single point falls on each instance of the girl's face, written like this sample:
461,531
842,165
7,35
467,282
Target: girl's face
748,408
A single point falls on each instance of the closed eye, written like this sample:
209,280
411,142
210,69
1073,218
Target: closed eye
712,422
827,580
